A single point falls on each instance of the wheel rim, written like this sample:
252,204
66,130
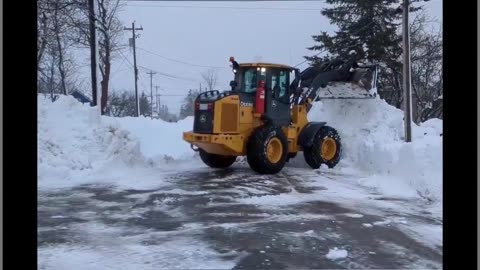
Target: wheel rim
274,150
329,148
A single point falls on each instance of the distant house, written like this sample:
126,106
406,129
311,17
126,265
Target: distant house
80,97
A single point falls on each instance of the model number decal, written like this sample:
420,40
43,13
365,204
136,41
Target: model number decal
245,104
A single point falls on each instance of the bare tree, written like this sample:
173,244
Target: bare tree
45,70
46,9
51,75
42,33
427,76
57,31
390,83
109,29
210,78
54,62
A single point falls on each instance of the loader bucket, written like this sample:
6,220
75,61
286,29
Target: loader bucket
362,84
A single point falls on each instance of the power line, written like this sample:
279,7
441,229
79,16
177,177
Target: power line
151,73
165,74
197,65
310,56
121,64
170,75
211,0
114,75
236,8
126,59
131,67
134,37
174,89
178,61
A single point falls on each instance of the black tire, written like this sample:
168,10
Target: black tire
313,154
290,156
216,161
258,143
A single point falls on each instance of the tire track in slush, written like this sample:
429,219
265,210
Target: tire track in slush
213,206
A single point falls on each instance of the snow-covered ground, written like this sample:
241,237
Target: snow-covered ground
184,253
380,181
335,253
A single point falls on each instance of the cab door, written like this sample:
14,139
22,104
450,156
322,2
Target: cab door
277,96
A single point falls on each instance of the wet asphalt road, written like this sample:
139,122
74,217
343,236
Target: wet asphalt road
210,205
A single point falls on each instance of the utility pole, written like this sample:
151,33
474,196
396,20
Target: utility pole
151,73
93,52
157,102
135,63
406,73
159,105
157,96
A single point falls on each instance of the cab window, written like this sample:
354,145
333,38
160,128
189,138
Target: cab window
249,82
283,86
279,85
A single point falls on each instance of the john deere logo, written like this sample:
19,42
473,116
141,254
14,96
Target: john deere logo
203,118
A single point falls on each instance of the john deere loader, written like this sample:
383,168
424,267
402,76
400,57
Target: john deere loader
264,115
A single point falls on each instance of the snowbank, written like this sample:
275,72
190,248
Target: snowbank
72,138
372,138
158,139
74,141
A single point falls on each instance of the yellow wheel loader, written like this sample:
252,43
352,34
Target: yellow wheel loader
264,115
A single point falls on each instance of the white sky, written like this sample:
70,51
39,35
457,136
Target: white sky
208,33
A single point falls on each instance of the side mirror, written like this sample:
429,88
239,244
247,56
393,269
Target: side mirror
233,84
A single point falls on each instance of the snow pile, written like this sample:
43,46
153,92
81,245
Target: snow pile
335,254
372,138
73,141
72,138
159,140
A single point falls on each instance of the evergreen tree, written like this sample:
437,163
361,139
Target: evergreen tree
371,28
145,107
187,108
121,104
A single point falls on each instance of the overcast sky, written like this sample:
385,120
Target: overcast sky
208,33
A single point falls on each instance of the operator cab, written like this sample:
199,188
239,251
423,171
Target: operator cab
276,81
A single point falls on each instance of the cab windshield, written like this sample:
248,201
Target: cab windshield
276,81
250,79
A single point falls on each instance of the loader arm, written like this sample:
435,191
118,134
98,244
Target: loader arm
334,80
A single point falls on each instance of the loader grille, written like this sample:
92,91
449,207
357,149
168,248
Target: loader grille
229,121
203,121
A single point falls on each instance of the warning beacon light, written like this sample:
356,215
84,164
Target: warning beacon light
235,65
